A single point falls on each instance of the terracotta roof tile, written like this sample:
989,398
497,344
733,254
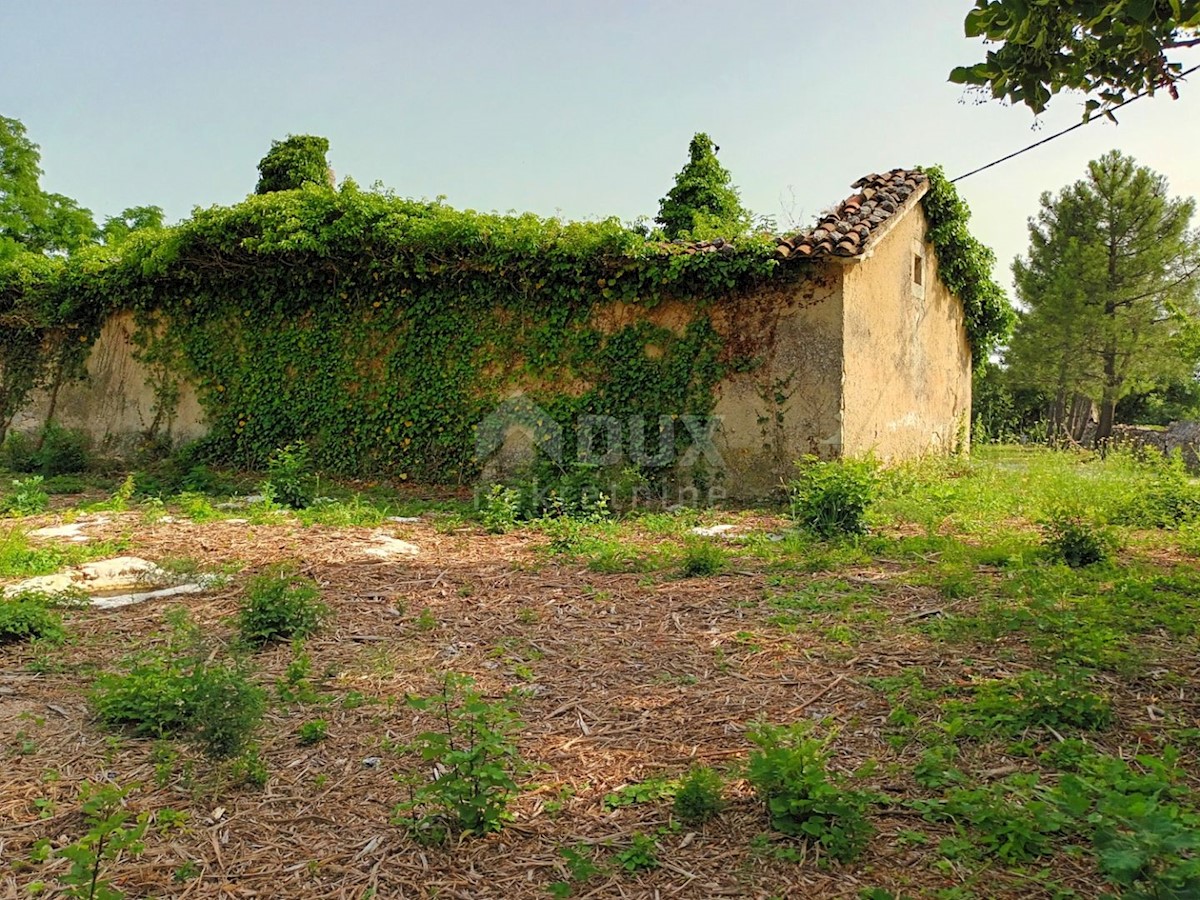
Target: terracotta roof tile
848,230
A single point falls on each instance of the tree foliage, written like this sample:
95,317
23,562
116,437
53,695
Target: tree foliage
30,218
1108,49
290,164
116,229
1109,288
703,203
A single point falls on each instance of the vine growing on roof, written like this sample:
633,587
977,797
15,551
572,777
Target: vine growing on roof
966,266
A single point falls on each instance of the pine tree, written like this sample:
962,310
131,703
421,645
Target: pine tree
1109,289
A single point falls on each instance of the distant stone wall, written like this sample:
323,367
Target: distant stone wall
1181,436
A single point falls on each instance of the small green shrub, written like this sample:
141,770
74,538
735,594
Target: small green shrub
790,776
28,617
279,605
831,499
296,684
249,768
57,451
121,497
576,494
313,732
112,832
28,497
699,796
474,757
290,479
1075,539
501,509
702,558
183,690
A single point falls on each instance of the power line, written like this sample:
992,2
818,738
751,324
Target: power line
1059,134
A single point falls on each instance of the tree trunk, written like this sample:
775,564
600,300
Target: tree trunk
1108,402
1082,416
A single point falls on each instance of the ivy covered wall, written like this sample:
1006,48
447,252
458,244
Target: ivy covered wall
383,330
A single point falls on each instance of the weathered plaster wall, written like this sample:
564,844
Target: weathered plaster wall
844,360
907,363
115,405
782,402
788,404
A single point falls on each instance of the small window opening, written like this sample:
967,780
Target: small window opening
918,269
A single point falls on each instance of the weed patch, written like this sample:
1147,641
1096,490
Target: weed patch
183,690
28,497
803,798
279,605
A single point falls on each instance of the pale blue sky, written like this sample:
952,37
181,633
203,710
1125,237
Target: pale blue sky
583,110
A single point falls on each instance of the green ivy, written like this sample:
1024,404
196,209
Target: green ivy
381,330
966,265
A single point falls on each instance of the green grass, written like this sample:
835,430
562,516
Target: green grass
20,558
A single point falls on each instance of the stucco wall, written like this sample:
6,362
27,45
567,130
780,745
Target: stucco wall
115,405
907,364
788,404
843,359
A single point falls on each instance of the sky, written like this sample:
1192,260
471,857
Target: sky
582,110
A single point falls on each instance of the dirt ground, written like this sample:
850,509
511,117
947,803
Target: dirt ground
625,677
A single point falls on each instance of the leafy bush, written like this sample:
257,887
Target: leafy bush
28,497
789,774
28,617
699,798
702,558
183,690
831,499
57,451
501,509
280,605
290,478
474,758
1075,539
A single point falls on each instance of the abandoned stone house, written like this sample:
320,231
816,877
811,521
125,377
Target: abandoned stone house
866,352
